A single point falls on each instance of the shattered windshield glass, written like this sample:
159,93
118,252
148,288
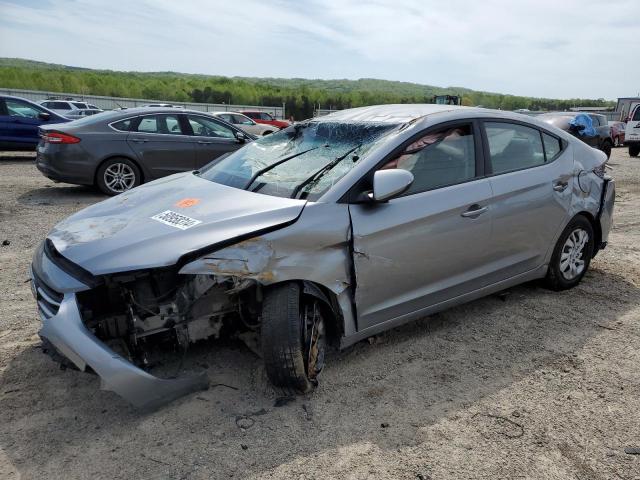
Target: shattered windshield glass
301,161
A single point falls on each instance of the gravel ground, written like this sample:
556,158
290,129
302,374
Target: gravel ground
534,385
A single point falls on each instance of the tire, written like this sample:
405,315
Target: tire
561,275
634,150
109,183
606,148
616,141
285,340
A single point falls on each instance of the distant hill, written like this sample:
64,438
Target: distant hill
299,94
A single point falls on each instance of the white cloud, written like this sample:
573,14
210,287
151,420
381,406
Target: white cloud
572,48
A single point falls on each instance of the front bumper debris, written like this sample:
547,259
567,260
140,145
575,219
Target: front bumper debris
63,329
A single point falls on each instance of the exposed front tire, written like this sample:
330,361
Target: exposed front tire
118,175
293,338
571,255
634,150
606,148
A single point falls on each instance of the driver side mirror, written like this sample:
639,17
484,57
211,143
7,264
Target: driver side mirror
241,137
44,116
390,183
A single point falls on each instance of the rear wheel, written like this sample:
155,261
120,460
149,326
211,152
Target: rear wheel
118,175
293,338
606,148
634,150
571,255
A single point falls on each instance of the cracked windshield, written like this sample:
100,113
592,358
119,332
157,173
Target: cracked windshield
302,161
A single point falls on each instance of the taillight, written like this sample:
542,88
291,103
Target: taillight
58,137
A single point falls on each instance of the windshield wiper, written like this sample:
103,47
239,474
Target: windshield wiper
316,176
264,170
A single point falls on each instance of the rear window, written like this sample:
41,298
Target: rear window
122,125
79,105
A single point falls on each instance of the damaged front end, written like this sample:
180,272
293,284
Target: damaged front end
117,325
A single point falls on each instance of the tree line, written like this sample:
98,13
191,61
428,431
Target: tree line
300,96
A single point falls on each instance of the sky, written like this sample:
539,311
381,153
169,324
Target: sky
543,48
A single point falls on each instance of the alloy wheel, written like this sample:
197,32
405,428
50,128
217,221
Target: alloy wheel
572,260
119,177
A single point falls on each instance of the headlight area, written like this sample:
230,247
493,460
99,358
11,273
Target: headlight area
144,316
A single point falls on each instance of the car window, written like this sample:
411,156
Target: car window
17,108
595,119
513,147
242,120
163,124
79,105
552,146
123,125
203,127
252,115
61,106
636,114
266,116
440,158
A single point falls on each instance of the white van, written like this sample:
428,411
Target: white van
632,132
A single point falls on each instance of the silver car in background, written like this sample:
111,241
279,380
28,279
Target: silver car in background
331,230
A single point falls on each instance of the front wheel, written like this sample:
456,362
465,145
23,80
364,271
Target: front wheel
118,175
606,148
293,338
634,150
571,255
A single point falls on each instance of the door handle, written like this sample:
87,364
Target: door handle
560,186
474,211
139,140
202,142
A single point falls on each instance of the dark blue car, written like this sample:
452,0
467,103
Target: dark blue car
20,120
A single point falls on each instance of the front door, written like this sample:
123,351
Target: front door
161,145
431,243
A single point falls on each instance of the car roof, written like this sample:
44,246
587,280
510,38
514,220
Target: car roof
394,113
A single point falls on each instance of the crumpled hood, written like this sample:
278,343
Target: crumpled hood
119,234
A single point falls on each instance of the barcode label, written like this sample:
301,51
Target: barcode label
177,220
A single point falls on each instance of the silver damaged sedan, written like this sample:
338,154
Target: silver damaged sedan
331,230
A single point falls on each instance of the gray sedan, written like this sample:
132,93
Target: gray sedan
119,150
331,230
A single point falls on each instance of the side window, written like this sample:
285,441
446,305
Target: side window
123,125
636,114
552,146
440,158
16,108
242,120
203,127
61,106
513,147
266,116
163,124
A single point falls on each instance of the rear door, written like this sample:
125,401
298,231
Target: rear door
430,244
210,138
161,145
532,180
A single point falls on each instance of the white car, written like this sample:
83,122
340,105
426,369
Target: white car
66,107
632,132
245,123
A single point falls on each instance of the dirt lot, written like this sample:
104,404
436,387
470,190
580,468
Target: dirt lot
536,385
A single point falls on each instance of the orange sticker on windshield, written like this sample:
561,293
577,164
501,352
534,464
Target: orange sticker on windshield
187,202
